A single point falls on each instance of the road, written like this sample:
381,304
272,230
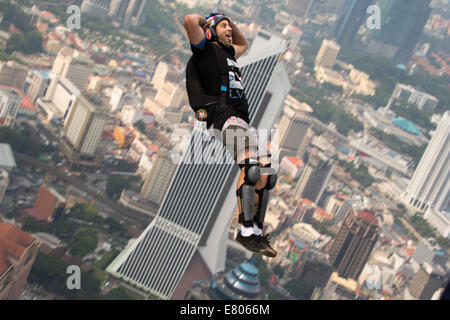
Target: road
118,209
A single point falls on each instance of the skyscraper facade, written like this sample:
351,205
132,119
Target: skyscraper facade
69,64
159,177
354,243
327,54
402,23
199,204
318,180
426,281
351,16
429,187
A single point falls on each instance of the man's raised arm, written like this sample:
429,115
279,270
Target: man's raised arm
240,44
193,24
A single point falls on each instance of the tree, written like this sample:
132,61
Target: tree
140,125
297,289
84,242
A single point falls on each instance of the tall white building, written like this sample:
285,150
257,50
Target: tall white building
327,54
71,65
10,102
430,184
61,95
4,182
201,199
158,179
84,126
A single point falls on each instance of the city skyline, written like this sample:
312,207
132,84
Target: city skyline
99,152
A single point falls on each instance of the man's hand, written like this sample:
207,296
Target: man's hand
239,42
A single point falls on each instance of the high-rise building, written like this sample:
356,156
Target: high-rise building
351,16
429,187
327,54
354,243
402,23
318,180
166,73
96,8
201,199
71,65
40,80
240,283
127,12
159,177
4,182
17,253
60,96
10,102
13,74
426,281
83,129
294,127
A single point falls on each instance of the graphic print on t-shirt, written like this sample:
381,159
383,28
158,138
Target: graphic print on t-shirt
235,81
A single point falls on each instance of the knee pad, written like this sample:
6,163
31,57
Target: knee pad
247,192
271,181
252,171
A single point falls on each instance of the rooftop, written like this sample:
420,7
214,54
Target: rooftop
13,242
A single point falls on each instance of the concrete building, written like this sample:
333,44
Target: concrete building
4,182
351,16
61,95
158,180
18,251
13,74
169,95
411,95
401,29
127,12
165,72
83,130
7,160
426,252
339,288
354,243
71,65
48,206
40,81
10,102
429,187
327,54
426,281
295,128
318,181
98,9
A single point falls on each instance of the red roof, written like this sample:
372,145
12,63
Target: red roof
296,161
367,216
27,104
13,242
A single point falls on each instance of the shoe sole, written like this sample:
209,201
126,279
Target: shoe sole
251,249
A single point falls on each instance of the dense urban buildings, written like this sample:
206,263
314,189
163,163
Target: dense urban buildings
103,162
